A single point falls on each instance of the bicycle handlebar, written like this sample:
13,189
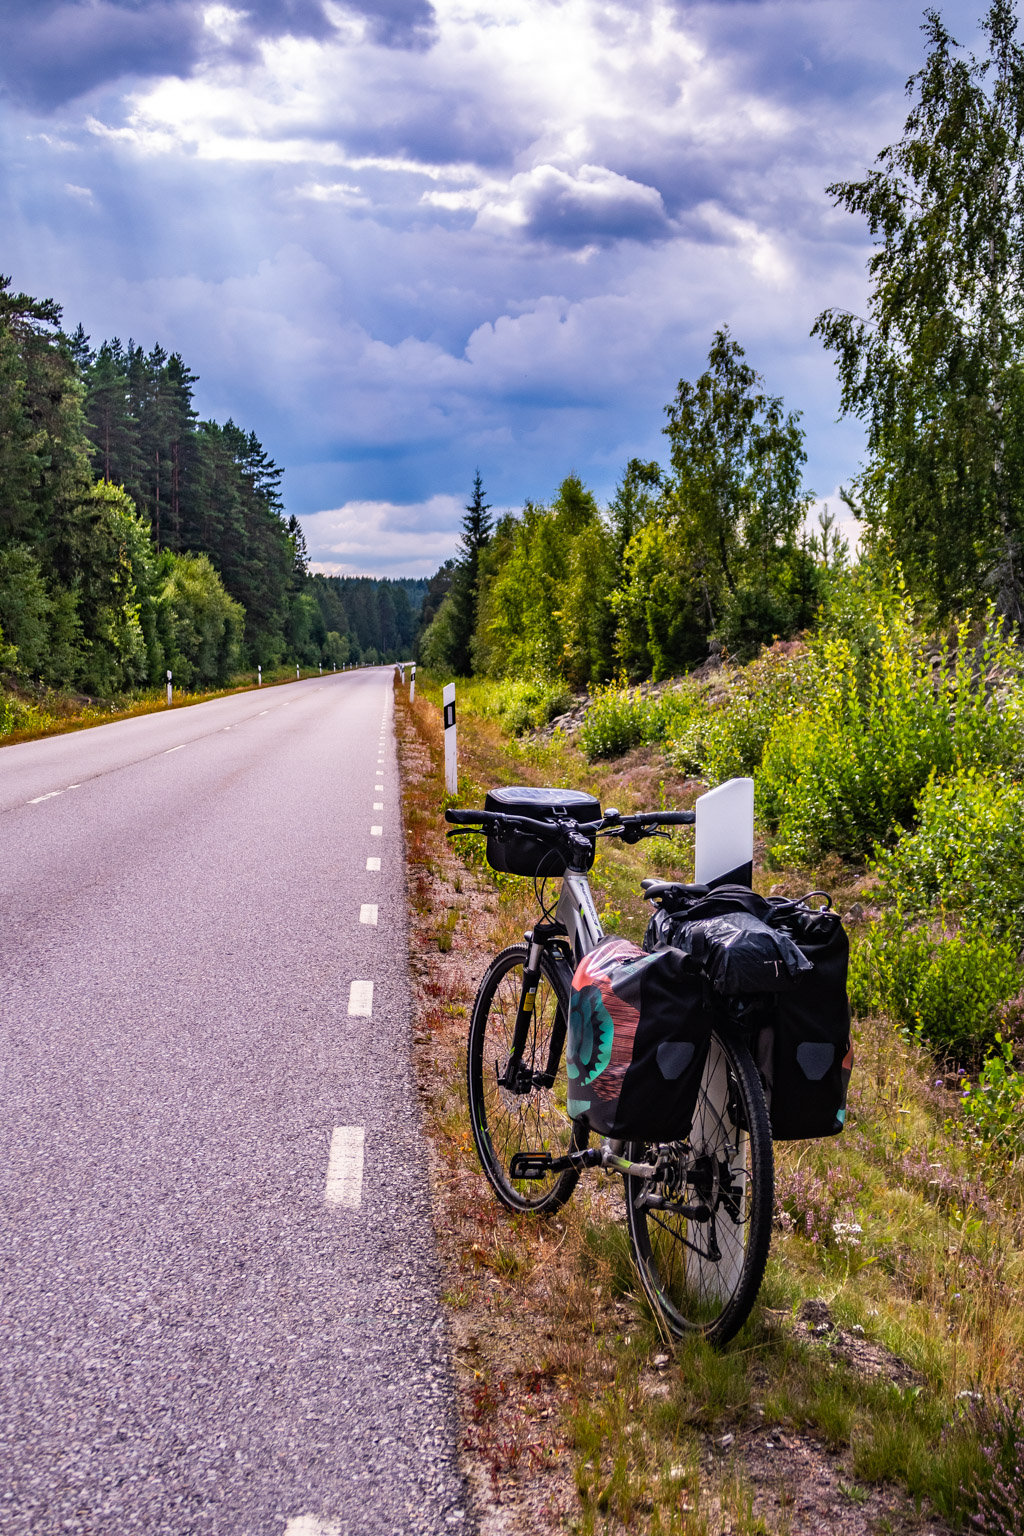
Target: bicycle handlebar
553,828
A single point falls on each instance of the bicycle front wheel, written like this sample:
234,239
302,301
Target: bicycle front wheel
701,1274
532,1117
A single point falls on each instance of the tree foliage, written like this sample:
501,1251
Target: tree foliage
935,370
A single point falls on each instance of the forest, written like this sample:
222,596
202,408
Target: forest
136,538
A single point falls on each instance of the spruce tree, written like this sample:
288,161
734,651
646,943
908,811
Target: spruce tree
465,592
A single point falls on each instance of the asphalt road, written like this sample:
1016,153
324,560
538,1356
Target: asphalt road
211,1321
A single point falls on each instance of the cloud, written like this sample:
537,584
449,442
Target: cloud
52,51
379,538
401,241
592,205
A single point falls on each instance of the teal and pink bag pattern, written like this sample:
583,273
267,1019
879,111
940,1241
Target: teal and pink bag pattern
637,1042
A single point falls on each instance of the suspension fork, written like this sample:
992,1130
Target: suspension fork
536,941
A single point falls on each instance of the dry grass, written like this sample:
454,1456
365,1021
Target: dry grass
45,712
577,1415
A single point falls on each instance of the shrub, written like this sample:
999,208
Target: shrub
526,703
620,718
999,1424
945,988
843,772
966,854
734,736
994,1103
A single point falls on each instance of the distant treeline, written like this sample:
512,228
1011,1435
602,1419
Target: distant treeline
135,537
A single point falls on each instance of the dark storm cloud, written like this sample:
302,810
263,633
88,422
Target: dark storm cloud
54,50
593,208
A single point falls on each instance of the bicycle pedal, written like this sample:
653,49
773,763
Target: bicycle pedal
530,1165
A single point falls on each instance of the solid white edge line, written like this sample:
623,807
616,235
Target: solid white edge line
373,863
360,1000
368,913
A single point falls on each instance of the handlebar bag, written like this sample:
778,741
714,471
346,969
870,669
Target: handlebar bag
805,1051
521,854
639,1028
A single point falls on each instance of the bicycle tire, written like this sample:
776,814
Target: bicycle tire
690,1289
504,1122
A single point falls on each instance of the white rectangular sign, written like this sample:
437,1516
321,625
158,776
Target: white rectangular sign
725,834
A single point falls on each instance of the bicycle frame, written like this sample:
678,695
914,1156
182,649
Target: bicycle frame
578,915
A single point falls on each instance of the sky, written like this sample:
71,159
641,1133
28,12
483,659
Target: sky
404,240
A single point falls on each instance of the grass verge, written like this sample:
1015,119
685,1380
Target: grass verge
893,1293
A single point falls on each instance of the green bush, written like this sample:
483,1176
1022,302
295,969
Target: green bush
761,694
946,988
621,718
966,854
994,1104
524,703
844,770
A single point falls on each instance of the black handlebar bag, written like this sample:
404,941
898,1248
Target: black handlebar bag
639,1029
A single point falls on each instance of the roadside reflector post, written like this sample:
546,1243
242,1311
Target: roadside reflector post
724,851
259,676
170,687
321,669
451,762
412,683
296,671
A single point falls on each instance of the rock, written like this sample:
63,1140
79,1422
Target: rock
855,914
815,1314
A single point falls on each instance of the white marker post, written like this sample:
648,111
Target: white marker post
725,834
170,687
412,683
451,757
321,669
296,671
259,676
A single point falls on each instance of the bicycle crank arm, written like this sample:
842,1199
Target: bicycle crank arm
537,1165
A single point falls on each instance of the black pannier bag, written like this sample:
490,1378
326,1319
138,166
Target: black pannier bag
638,1036
800,1027
525,855
805,1049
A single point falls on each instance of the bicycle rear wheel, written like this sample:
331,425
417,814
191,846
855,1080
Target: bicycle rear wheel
532,1117
702,1276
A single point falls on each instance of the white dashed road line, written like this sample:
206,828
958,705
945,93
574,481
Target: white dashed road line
379,788
378,805
175,749
360,1000
312,1525
345,1167
40,798
373,864
368,913
376,831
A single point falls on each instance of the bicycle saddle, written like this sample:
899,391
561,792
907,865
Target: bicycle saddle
653,889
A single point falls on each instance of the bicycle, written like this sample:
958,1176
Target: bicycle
699,1209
